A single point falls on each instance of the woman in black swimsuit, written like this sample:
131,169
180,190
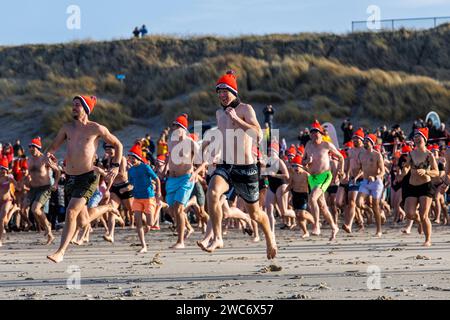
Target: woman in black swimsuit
396,185
417,188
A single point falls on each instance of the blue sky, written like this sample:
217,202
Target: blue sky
44,21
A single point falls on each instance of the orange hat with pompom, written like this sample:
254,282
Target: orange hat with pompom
88,103
228,82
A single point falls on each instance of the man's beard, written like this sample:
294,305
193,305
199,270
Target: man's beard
76,117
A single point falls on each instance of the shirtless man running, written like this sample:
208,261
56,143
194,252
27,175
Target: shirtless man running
318,161
372,165
82,138
40,185
183,152
239,130
352,181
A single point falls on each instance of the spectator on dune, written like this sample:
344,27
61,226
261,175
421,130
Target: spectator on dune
150,143
304,137
136,32
442,134
384,132
18,149
269,112
347,129
162,147
143,31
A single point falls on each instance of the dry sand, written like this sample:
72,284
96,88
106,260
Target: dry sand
311,269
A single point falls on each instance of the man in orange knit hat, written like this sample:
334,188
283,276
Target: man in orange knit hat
372,166
351,182
40,185
318,161
183,152
82,136
237,167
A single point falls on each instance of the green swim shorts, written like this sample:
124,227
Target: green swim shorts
321,180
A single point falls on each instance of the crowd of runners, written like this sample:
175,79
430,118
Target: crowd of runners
233,181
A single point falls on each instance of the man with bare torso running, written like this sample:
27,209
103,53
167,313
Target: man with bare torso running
318,161
240,130
352,180
372,166
82,138
40,185
183,153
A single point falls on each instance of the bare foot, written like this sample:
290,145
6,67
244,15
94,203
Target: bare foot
256,239
378,234
78,242
383,219
56,258
143,250
1,244
272,250
177,246
50,239
427,243
346,228
188,234
334,232
292,226
108,238
306,235
316,231
406,231
202,245
215,244
361,228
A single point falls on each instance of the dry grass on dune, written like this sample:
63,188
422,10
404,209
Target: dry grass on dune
389,76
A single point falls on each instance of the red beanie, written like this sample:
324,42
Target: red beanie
228,82
423,132
359,134
350,144
291,151
372,138
88,103
406,149
36,142
297,160
301,150
136,152
161,158
316,127
182,121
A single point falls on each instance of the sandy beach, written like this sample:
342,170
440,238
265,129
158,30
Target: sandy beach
310,269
